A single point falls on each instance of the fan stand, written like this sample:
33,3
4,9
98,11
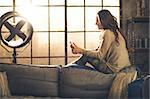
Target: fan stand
14,56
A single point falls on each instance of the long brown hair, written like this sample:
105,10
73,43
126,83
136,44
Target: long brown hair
108,21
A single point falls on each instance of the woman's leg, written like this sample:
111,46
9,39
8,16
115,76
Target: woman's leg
96,63
99,65
80,63
82,60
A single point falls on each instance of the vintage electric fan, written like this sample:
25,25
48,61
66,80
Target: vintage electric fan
15,31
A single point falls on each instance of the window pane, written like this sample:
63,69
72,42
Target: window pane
40,61
92,40
111,2
115,11
57,18
75,2
6,2
57,2
57,44
40,2
3,10
4,52
91,13
75,18
5,60
93,2
22,3
23,60
37,16
40,44
24,51
77,38
57,61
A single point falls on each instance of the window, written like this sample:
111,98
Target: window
50,41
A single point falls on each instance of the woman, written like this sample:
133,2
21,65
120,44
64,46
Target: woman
112,55
110,58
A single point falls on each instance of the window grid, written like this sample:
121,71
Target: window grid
66,57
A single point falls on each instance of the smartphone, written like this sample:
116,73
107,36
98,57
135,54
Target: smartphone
71,45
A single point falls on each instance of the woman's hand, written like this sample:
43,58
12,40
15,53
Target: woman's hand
72,48
97,49
75,49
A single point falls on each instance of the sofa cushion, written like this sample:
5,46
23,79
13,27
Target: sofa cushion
75,92
32,80
84,83
37,72
85,79
32,87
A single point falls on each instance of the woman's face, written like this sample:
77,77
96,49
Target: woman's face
98,23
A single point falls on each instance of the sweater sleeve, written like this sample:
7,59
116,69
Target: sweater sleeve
101,52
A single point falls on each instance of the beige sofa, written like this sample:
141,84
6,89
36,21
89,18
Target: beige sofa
53,82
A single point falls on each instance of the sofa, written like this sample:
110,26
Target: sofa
54,81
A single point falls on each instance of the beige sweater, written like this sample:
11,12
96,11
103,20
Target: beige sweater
114,54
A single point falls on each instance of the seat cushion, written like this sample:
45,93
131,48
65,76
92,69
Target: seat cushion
32,80
37,72
89,82
74,92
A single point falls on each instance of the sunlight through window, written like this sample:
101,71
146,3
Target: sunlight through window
48,20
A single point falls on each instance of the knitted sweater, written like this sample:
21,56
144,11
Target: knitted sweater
114,54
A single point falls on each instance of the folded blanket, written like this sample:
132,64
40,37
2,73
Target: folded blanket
4,90
120,84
